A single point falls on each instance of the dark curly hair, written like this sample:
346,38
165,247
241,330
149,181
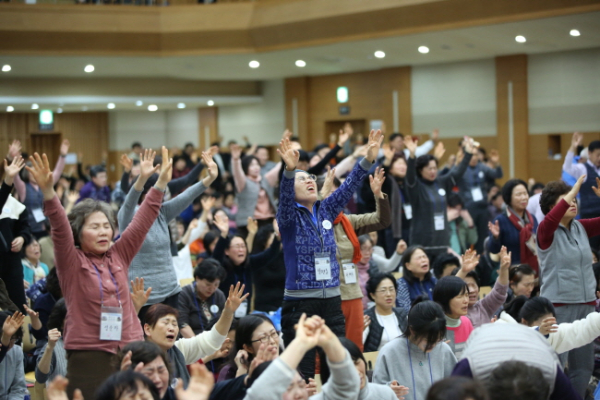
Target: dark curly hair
551,193
423,161
508,188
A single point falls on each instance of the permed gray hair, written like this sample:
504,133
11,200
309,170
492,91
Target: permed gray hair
83,210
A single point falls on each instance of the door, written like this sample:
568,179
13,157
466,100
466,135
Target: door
358,126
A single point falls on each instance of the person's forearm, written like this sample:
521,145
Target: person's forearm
424,148
575,170
334,351
224,323
239,178
318,169
125,186
345,166
21,190
44,363
294,353
187,332
177,185
5,340
250,241
36,323
547,228
58,168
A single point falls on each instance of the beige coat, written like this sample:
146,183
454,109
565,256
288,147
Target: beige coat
362,223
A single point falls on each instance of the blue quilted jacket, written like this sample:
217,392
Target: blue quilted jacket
300,237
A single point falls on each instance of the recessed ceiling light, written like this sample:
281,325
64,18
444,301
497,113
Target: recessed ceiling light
180,105
89,68
152,107
574,32
34,106
139,103
520,39
10,109
110,106
423,49
6,67
300,63
210,103
379,54
59,110
84,108
254,64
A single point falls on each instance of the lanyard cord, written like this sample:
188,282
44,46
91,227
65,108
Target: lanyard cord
212,366
413,373
100,285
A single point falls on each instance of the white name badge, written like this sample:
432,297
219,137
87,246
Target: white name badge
322,266
38,215
481,174
439,221
407,210
477,194
214,309
111,323
242,310
441,192
327,224
349,272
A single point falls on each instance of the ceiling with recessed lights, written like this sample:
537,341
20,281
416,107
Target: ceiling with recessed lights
570,32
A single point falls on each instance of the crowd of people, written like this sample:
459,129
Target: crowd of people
233,273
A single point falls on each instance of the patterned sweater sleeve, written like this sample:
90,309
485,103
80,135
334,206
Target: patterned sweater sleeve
285,211
339,198
403,295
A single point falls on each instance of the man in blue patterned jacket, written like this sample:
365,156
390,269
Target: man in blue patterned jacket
312,283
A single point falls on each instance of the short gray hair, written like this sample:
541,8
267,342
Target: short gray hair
83,210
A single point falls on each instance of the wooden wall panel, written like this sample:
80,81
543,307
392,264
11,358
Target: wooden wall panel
86,131
208,130
297,90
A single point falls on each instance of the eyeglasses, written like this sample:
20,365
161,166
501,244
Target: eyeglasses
303,178
238,246
386,290
265,339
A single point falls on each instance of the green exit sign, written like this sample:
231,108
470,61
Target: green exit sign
46,120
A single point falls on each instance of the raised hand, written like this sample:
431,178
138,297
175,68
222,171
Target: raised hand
166,170
57,390
308,331
41,172
494,229
594,188
201,384
360,151
53,337
289,155
399,390
138,295
14,149
569,197
469,261
373,145
221,221
17,244
468,145
576,141
388,153
494,157
72,197
439,151
236,151
236,297
505,258
211,166
252,226
64,147
311,387
327,188
126,162
11,324
548,326
221,353
147,168
207,203
376,181
264,353
435,135
241,359
401,246
32,314
343,138
10,171
411,145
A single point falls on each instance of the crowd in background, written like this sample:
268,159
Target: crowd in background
271,273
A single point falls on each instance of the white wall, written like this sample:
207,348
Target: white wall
153,129
263,123
457,98
564,91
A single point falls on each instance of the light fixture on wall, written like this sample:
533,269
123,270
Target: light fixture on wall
342,94
10,109
6,68
89,68
520,39
139,103
180,105
35,106
575,32
110,106
379,54
152,107
300,63
210,103
59,110
254,64
423,49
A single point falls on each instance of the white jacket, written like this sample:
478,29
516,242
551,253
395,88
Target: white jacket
570,335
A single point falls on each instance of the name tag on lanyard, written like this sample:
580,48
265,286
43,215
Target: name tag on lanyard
439,220
322,266
111,323
349,272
